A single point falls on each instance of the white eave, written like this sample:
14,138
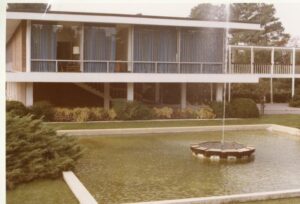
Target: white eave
128,77
132,20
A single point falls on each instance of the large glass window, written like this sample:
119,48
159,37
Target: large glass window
155,44
103,46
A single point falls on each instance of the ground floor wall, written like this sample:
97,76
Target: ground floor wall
102,94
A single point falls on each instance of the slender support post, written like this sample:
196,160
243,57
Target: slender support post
130,91
271,90
178,48
155,67
229,92
272,61
229,59
294,72
107,66
157,93
81,48
29,94
211,92
106,96
130,49
28,46
183,95
219,92
252,60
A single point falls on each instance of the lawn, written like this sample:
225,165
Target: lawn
42,191
277,201
288,120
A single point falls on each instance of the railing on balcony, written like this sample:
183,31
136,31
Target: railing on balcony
102,66
237,68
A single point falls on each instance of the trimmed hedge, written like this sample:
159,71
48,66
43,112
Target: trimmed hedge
295,102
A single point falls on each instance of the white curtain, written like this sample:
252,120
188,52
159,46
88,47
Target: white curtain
43,46
99,44
152,44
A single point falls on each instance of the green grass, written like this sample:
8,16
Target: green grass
277,201
288,120
41,191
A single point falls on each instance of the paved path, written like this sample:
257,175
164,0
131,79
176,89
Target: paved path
280,108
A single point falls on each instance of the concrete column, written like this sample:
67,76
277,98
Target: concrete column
28,46
219,92
157,89
106,96
29,94
130,91
183,96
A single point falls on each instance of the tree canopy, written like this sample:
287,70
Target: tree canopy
272,35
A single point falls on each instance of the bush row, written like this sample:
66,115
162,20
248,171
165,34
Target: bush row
124,110
295,102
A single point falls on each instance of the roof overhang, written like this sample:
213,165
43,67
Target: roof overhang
129,77
131,20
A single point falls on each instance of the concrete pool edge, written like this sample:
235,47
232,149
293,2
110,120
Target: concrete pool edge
126,131
259,196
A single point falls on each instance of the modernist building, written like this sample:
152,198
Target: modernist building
75,59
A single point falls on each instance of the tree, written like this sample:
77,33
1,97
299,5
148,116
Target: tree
273,33
35,151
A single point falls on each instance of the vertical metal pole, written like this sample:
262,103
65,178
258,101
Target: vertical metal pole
229,92
229,59
211,92
107,66
178,48
82,49
272,61
271,90
294,72
252,60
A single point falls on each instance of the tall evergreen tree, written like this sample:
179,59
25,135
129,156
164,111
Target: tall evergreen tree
273,33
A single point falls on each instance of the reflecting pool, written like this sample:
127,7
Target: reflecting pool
118,169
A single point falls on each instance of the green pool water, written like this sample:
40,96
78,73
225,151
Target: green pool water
122,169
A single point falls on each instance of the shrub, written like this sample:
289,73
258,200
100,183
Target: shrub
132,110
217,108
42,109
63,114
16,108
81,114
35,151
243,108
204,113
163,113
295,102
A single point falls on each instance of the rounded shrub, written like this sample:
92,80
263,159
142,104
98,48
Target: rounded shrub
16,108
243,108
42,109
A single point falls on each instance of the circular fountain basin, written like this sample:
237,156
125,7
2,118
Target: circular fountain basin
219,150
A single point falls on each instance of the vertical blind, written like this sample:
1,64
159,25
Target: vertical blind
155,44
43,46
99,44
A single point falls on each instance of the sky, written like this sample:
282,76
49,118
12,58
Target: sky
289,13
